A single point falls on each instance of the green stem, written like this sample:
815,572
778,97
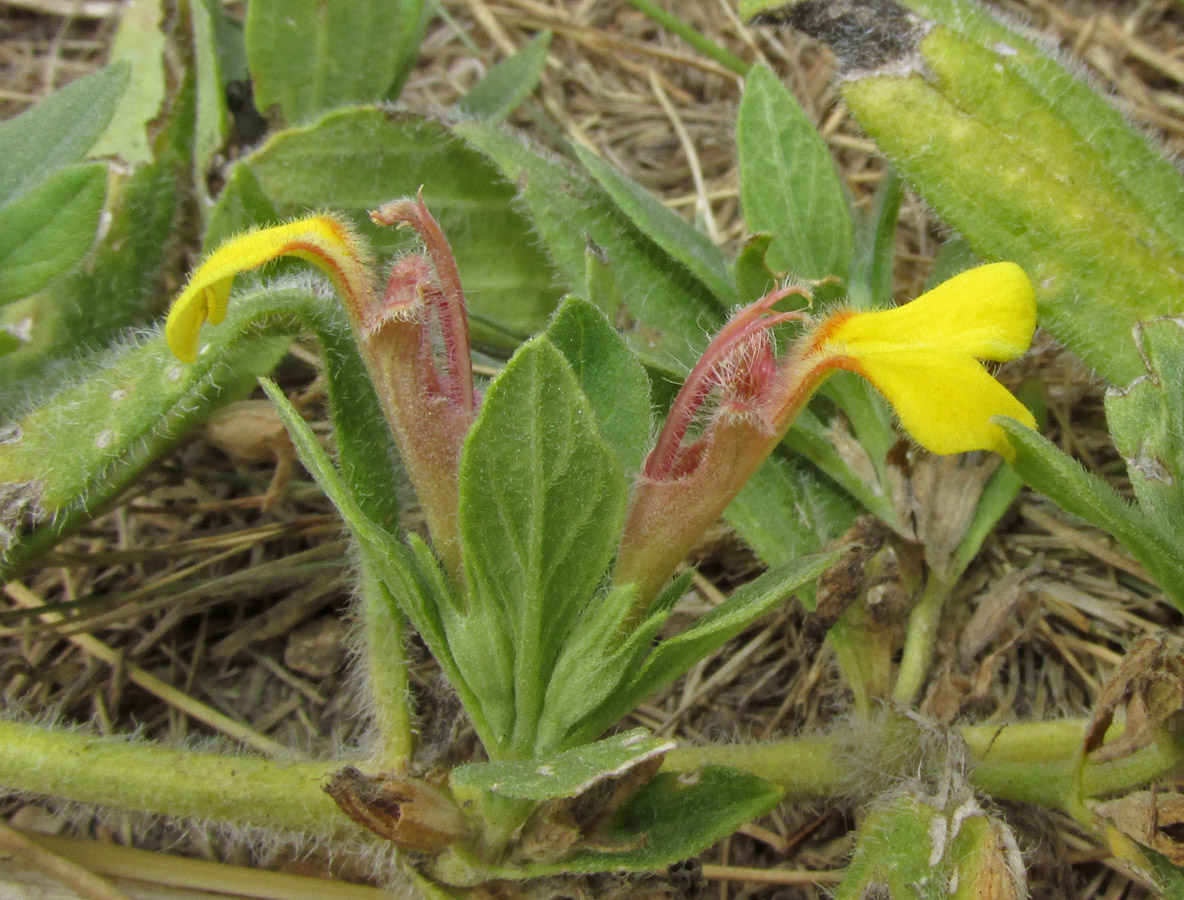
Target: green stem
1031,762
805,767
240,790
919,641
386,672
697,40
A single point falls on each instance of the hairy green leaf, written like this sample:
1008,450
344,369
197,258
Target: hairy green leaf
542,498
357,159
566,774
665,228
307,56
58,131
670,311
788,183
610,376
508,83
48,231
1064,481
675,655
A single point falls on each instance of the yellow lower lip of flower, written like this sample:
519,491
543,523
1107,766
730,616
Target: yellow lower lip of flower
924,356
324,240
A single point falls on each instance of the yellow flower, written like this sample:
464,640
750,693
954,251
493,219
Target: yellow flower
923,356
324,240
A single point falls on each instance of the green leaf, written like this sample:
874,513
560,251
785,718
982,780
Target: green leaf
411,579
675,817
508,83
566,774
1127,153
140,41
872,270
241,205
610,376
676,655
1063,480
1146,420
210,116
664,227
597,659
414,16
670,311
784,512
788,183
997,162
753,276
307,56
58,131
358,159
542,498
48,231
73,453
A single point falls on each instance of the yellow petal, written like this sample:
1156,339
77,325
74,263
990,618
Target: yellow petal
944,400
988,312
324,240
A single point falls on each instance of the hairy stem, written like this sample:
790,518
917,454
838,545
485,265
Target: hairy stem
239,790
1029,762
386,672
920,638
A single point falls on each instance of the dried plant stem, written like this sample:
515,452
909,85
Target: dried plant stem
239,790
149,682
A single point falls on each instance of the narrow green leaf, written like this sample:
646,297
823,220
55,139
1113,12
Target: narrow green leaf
664,227
610,376
872,270
1147,422
542,498
784,512
675,817
307,56
508,83
1064,481
210,117
241,205
753,276
566,774
48,231
676,655
669,311
414,16
598,658
58,131
139,40
361,158
788,183
411,577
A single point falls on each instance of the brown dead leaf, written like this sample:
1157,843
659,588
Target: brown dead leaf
1149,684
994,609
1155,820
410,813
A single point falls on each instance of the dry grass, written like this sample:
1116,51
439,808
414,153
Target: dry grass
195,613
